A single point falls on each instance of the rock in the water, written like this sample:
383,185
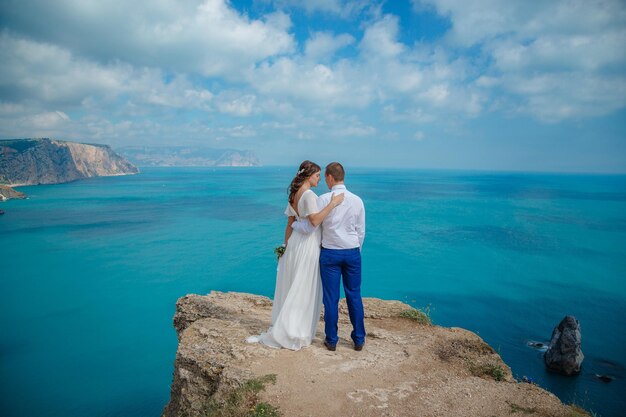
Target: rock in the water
564,354
605,378
537,345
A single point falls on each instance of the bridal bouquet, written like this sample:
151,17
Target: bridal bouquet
279,251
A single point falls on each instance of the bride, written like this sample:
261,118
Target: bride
298,293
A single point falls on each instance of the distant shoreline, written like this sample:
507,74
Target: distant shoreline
359,169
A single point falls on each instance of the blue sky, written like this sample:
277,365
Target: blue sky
475,84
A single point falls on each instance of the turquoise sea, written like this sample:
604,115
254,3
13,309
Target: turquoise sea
90,272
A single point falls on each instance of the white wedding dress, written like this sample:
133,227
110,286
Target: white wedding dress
298,293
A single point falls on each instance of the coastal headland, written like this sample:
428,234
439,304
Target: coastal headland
50,161
8,193
408,367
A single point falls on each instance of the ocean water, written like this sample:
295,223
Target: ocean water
90,272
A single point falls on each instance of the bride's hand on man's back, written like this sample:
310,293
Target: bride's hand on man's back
336,199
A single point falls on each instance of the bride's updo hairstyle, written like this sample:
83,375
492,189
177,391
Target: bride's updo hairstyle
307,168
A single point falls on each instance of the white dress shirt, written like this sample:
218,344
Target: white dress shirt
344,227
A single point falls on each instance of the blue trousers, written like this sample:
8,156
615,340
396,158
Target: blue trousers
335,263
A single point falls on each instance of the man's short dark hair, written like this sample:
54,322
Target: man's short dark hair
335,170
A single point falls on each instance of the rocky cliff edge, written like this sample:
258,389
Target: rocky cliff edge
406,368
50,161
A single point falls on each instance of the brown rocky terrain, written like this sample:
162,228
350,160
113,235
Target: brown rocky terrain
406,368
7,193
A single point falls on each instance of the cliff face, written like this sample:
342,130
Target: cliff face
48,161
406,368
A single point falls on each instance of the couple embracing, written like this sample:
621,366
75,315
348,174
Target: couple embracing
323,238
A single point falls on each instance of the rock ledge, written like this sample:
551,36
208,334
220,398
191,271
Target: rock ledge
405,369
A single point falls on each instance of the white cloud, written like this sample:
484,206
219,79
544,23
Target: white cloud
238,105
476,21
416,115
48,120
555,60
184,70
48,73
208,37
278,108
561,53
304,135
278,126
310,82
278,20
555,97
380,39
384,72
437,94
357,130
239,131
10,109
39,124
149,86
428,80
323,45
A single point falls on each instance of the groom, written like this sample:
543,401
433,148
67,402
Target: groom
343,231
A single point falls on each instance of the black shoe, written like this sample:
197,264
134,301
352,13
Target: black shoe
359,348
330,347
